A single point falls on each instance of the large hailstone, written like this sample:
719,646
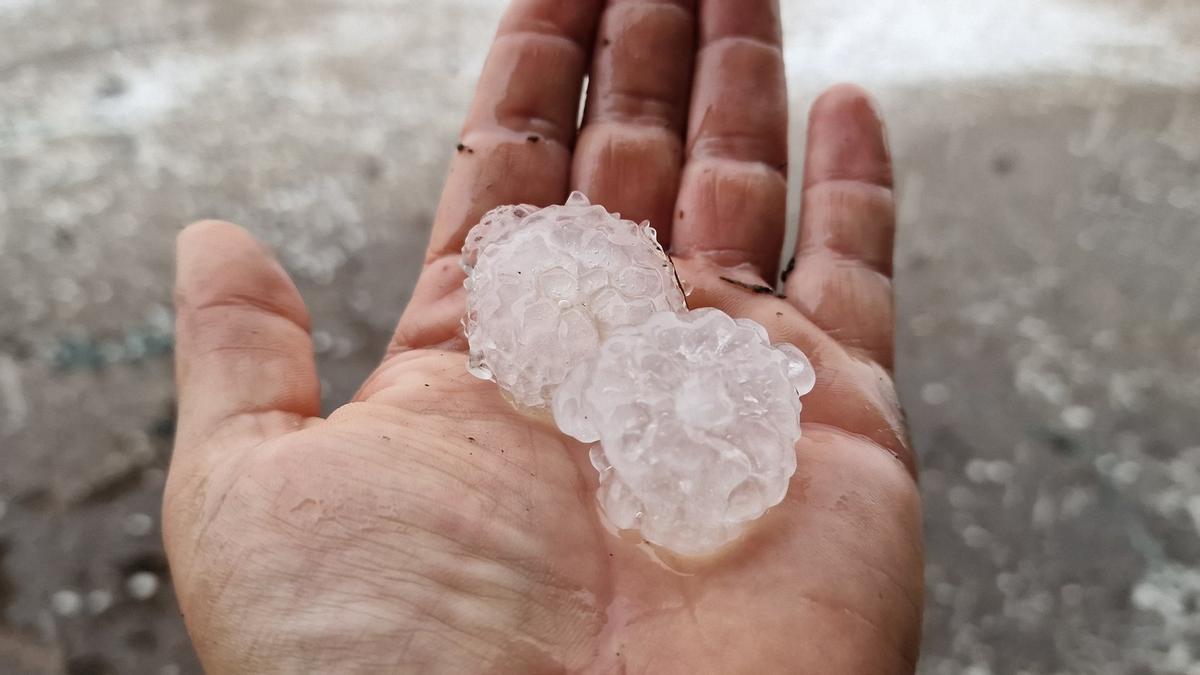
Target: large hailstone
546,286
697,416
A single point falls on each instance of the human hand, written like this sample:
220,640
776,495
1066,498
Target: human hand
427,526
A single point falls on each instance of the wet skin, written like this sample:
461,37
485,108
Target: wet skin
427,526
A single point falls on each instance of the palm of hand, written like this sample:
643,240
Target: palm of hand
428,526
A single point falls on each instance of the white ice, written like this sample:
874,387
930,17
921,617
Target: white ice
695,413
545,286
697,417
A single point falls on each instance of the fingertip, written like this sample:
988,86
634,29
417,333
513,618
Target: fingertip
843,95
847,139
218,262
214,236
207,226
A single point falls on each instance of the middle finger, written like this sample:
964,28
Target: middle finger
631,146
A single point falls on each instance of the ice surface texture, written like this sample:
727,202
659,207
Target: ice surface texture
545,286
696,413
697,417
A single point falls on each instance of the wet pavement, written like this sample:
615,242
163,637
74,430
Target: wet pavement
1049,338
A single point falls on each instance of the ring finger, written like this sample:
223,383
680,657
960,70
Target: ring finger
515,147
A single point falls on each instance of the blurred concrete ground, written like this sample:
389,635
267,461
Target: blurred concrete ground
1049,173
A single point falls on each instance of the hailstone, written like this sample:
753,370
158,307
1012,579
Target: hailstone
693,415
697,416
546,286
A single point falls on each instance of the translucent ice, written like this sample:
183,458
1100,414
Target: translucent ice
697,417
696,413
546,286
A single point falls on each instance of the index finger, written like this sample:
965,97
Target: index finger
515,146
516,143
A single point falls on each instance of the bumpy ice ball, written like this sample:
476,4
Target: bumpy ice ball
546,286
697,415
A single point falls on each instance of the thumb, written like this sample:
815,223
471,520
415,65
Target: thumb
243,349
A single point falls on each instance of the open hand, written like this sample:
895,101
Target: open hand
429,527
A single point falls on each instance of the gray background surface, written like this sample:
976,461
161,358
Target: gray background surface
1049,174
